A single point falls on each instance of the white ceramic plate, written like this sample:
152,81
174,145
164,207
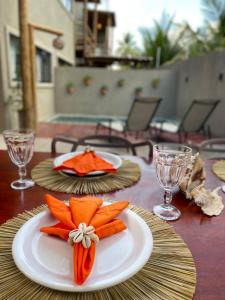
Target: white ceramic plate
48,260
115,160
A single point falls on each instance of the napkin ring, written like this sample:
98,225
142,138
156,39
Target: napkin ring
83,234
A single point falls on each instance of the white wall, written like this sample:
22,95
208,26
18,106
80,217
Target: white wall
88,100
44,13
203,83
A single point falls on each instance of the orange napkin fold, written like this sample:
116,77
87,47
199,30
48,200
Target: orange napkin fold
86,210
85,163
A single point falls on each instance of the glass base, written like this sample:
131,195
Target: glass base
167,212
22,184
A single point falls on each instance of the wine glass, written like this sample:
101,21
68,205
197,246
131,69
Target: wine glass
171,161
20,145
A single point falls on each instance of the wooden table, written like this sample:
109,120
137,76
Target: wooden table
204,235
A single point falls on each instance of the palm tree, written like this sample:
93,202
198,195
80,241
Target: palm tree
193,42
211,36
127,46
161,36
214,13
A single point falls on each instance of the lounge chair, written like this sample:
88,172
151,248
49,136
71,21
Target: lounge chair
111,143
194,120
139,118
212,148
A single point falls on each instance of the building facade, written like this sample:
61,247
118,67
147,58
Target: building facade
58,16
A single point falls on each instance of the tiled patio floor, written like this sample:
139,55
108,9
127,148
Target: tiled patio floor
73,130
80,130
46,131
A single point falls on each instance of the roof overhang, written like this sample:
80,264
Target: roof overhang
109,60
103,17
89,1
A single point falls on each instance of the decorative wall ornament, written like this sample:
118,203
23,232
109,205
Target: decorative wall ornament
58,43
70,88
156,82
87,80
139,91
121,82
104,90
193,185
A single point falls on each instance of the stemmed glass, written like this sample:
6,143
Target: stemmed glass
20,145
171,161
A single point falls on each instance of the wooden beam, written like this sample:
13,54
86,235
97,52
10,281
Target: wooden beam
95,29
46,29
33,73
29,121
109,23
85,24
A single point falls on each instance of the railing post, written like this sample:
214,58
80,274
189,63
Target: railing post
85,24
95,29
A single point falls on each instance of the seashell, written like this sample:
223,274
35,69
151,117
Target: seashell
84,234
193,186
78,236
86,241
94,237
209,201
194,177
72,233
89,229
82,227
70,241
88,149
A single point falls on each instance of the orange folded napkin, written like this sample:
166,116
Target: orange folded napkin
85,163
82,224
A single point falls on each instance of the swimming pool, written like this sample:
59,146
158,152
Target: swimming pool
83,119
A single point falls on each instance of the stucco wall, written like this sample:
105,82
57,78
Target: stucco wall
198,78
51,15
88,100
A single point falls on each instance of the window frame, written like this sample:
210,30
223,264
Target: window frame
37,48
11,83
16,80
10,31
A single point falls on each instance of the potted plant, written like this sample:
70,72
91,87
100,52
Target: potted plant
138,91
104,90
70,88
87,80
155,83
121,82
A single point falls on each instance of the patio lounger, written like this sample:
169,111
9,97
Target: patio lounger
212,148
139,118
109,142
194,120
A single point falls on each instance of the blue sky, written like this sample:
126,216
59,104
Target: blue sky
133,14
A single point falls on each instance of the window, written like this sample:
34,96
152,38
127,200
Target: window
43,62
67,4
15,67
43,59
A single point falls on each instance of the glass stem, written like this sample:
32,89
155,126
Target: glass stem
167,197
22,172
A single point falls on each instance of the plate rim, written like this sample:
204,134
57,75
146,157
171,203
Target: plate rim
91,173
122,276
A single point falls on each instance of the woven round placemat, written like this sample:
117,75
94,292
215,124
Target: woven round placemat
43,175
219,169
169,274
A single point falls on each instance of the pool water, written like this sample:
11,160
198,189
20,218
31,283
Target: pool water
84,119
